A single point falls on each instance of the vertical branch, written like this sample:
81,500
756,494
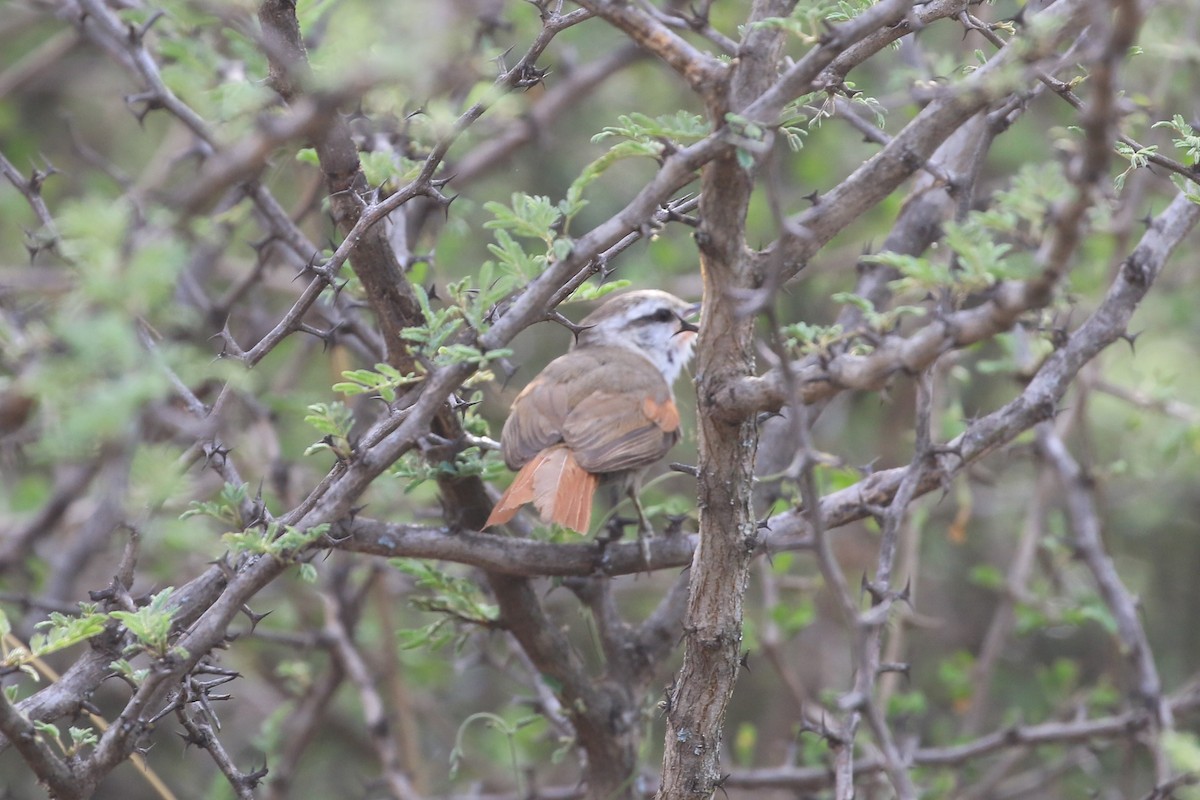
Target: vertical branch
712,630
842,741
884,595
391,297
602,712
1085,526
303,724
355,667
398,692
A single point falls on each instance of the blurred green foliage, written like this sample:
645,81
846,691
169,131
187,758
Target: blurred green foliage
123,264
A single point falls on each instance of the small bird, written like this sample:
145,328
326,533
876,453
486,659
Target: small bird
605,411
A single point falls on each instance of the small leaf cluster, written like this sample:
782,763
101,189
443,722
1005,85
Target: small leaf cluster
1016,354
1187,141
654,134
226,509
794,617
1031,618
1022,211
640,136
383,168
749,138
538,218
388,168
126,670
242,536
590,291
468,462
454,599
59,632
808,21
878,321
806,338
282,542
436,336
446,334
383,382
527,217
80,737
62,630
334,420
983,246
1137,158
437,332
800,116
151,624
473,460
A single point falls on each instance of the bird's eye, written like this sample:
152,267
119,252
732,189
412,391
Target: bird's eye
663,315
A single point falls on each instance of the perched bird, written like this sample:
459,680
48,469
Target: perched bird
605,411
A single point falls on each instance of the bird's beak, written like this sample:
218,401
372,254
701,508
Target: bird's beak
684,319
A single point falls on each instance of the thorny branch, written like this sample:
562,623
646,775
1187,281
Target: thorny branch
603,710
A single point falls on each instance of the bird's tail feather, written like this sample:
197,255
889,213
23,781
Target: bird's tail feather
558,487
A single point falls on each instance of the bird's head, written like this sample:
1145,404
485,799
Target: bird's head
650,322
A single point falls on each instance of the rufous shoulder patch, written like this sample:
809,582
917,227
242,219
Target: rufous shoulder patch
665,415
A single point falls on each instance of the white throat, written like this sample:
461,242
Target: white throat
669,358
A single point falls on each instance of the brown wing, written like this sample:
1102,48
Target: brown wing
536,419
608,404
610,432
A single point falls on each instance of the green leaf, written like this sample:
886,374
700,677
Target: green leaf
150,624
680,127
1183,750
334,419
745,159
81,737
589,291
987,576
954,673
794,618
562,247
1188,141
61,631
227,508
530,216
47,730
910,704
135,676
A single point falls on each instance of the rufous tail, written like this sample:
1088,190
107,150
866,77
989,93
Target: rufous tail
558,487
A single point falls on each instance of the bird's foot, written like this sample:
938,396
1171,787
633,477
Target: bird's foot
614,529
645,534
644,537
